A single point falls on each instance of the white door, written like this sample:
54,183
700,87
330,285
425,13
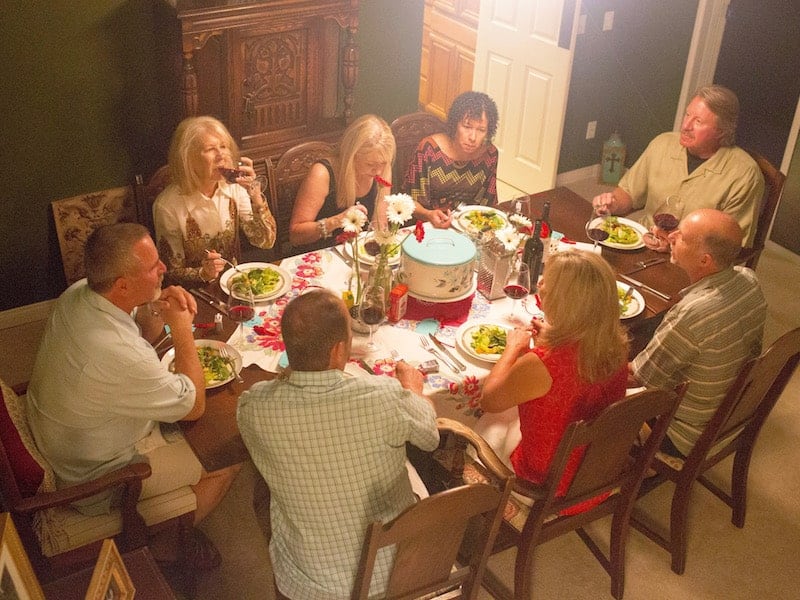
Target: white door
520,64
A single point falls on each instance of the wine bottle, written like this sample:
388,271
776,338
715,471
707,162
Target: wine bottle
547,231
534,253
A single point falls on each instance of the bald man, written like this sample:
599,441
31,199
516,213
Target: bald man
715,328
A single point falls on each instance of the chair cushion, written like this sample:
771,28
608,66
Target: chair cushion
62,529
18,443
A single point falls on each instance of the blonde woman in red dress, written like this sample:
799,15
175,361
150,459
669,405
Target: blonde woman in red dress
577,367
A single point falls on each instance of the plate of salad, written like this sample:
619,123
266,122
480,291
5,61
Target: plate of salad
623,234
473,219
217,370
629,306
266,281
482,340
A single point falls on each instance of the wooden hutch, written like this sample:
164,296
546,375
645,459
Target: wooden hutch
276,72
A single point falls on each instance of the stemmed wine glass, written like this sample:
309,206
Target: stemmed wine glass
372,311
518,284
241,304
666,217
593,228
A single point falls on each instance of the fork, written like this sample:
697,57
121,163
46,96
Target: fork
226,356
430,348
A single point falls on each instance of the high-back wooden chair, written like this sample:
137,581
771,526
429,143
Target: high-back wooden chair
733,429
284,178
77,217
435,535
774,181
146,194
606,467
408,131
57,538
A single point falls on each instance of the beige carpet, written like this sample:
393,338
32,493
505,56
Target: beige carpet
723,562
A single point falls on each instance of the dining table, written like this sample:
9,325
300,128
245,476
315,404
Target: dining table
455,392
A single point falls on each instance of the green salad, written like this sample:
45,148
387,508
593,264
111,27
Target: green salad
619,233
624,302
215,368
488,339
483,220
260,281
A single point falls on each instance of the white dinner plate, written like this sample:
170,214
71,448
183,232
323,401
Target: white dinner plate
636,305
169,358
640,229
283,286
462,214
464,340
366,257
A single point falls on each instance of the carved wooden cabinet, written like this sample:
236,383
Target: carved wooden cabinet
276,72
449,37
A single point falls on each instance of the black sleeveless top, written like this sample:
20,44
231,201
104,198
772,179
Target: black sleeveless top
329,207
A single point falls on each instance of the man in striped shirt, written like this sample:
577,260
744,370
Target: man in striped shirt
715,328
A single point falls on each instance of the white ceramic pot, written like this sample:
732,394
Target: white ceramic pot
440,268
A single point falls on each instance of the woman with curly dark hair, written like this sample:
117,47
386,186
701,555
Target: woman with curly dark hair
459,166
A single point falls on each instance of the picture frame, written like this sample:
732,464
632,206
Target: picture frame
17,577
110,578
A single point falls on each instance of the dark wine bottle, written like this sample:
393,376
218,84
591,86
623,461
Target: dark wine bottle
533,254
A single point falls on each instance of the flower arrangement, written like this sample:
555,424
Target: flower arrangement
353,223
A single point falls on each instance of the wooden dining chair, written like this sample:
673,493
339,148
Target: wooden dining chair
57,538
774,181
409,130
606,468
442,542
284,178
77,217
146,192
733,430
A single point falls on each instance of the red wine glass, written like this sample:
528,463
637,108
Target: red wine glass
518,284
372,311
594,230
666,218
241,304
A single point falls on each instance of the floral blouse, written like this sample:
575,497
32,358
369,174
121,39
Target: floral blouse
187,226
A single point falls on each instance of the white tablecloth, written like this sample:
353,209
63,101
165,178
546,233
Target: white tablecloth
456,395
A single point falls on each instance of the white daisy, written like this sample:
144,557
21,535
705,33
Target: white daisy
399,208
354,220
520,220
508,237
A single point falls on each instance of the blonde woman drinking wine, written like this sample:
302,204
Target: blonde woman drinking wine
213,194
577,367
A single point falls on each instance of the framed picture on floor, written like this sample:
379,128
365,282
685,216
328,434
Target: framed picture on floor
110,579
17,578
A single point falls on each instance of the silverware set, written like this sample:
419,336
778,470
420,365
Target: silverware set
639,284
209,298
643,264
445,355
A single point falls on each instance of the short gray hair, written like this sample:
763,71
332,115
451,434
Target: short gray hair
108,254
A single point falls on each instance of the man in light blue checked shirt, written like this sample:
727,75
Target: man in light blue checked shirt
331,448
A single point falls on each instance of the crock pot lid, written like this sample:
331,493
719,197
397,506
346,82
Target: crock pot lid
440,247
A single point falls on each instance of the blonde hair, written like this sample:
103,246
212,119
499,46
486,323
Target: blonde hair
185,147
581,305
365,135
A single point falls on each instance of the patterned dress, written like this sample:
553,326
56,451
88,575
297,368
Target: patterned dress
187,226
435,180
543,420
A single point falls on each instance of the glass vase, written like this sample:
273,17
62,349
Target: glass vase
380,274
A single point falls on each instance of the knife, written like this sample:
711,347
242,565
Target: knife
646,287
340,254
203,295
444,349
641,266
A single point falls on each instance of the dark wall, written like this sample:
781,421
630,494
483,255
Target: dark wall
627,79
91,98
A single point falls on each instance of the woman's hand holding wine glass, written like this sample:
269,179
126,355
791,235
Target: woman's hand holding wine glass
518,284
667,217
372,311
